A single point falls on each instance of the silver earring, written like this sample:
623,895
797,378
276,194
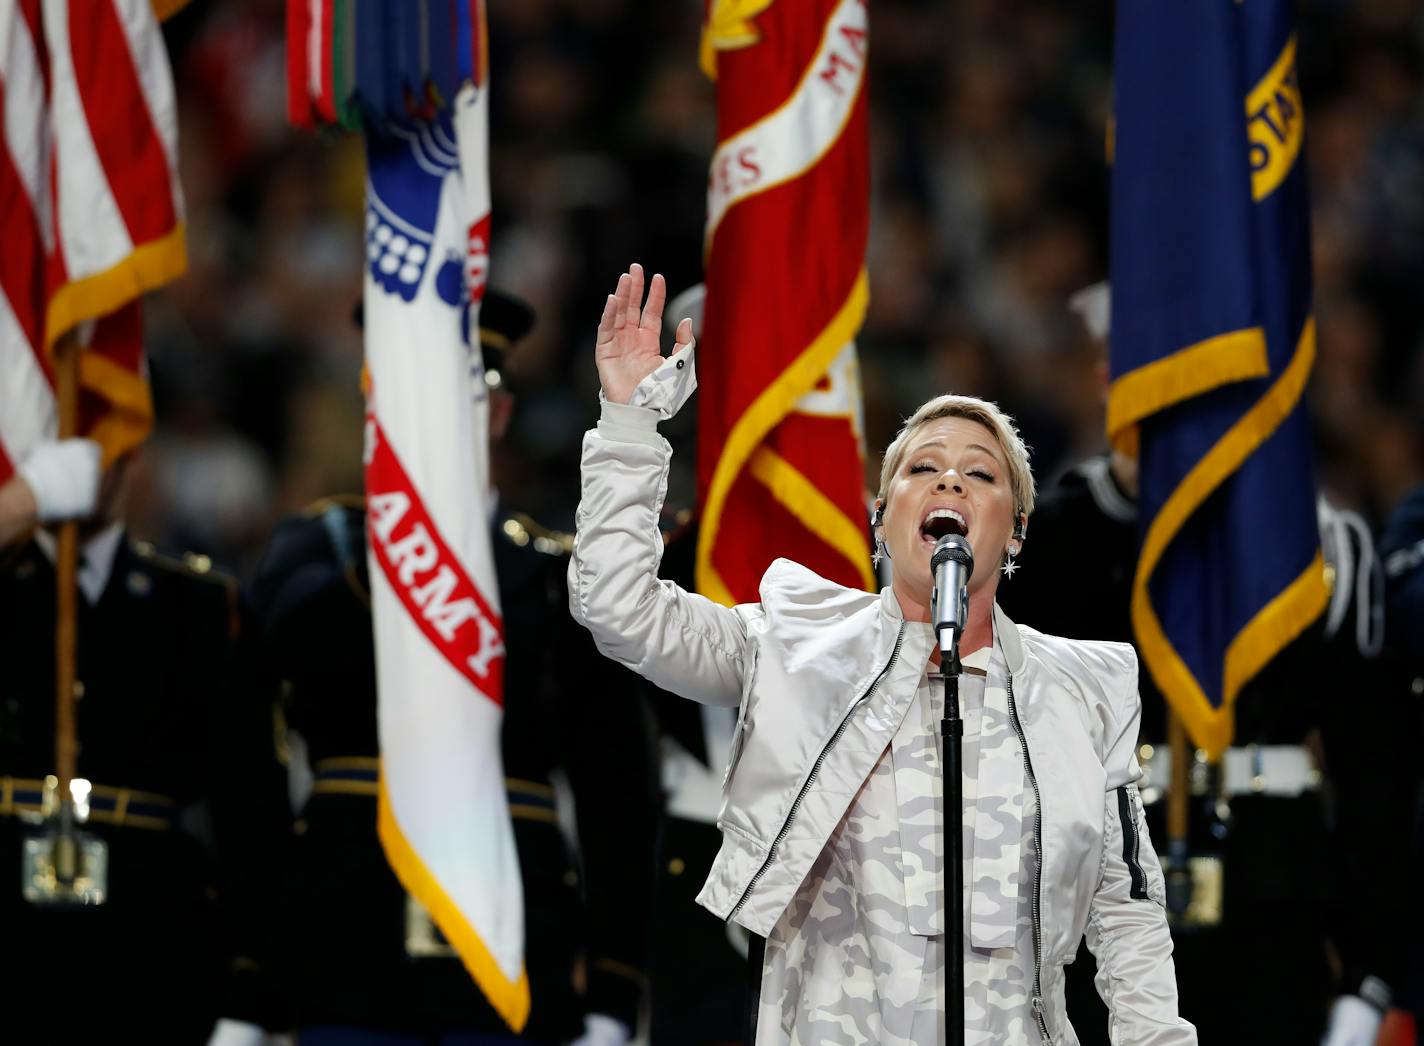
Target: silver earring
1009,565
880,553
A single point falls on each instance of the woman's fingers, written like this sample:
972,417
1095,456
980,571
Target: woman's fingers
635,295
653,312
605,323
683,337
624,308
620,298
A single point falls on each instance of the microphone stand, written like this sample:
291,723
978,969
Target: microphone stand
951,731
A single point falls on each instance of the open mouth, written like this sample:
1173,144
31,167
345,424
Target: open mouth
941,521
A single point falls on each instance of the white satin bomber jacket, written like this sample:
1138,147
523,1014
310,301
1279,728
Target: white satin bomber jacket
823,676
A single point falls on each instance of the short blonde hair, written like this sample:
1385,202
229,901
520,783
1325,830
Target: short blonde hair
972,409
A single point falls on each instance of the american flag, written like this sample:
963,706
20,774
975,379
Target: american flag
92,210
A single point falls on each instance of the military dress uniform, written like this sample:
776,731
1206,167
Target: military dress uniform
185,788
1312,864
1401,550
350,950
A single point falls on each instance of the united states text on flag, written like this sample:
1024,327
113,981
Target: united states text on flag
1212,344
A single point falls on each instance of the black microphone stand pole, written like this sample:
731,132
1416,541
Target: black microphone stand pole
951,731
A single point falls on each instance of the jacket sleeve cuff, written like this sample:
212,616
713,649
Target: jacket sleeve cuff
624,423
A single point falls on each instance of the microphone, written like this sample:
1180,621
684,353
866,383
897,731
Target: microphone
952,565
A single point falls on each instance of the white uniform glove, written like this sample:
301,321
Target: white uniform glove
1353,1022
599,1029
63,476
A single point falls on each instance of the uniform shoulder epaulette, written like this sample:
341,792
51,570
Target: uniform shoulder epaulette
190,564
196,567
351,501
525,530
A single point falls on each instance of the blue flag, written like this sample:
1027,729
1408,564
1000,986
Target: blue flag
1212,344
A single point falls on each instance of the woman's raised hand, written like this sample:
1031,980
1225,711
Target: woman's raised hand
627,349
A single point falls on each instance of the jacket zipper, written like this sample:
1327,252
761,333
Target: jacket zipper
815,770
1137,847
1036,1003
1131,846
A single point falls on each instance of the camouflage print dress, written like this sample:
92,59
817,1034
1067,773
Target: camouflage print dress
858,956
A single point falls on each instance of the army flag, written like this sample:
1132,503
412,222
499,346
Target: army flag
443,815
1212,344
780,442
92,211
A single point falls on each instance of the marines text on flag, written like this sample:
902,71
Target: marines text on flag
780,459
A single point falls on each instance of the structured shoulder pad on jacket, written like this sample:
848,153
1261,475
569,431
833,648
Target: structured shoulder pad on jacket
1112,665
1102,658
788,588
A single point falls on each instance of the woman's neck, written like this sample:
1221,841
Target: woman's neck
978,630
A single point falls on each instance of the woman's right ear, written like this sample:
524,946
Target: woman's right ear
878,519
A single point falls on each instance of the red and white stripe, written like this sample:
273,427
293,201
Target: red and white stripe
91,206
311,95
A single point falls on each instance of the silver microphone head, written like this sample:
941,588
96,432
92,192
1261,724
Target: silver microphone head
955,547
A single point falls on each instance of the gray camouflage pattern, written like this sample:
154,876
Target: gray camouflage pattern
858,956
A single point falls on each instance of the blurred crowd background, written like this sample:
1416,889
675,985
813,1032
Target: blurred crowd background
989,212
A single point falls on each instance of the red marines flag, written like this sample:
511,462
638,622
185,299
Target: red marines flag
780,458
91,209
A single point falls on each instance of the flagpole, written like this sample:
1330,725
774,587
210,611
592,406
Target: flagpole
1179,878
66,745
